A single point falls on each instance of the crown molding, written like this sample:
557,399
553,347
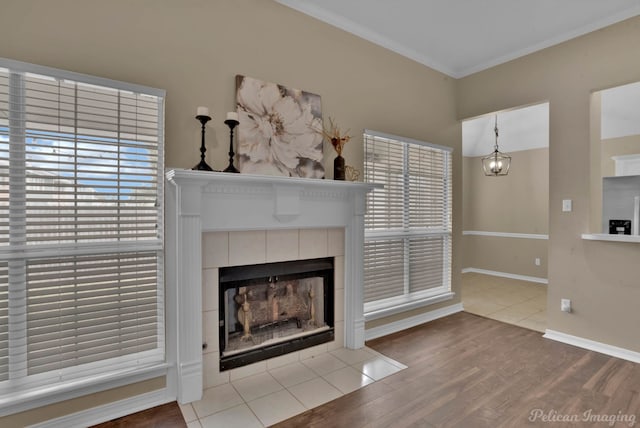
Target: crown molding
361,31
367,34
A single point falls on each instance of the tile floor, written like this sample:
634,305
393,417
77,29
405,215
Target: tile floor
266,398
511,301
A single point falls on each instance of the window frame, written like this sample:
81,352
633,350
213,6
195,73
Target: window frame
30,391
412,300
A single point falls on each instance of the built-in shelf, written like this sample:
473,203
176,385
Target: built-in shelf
627,164
611,238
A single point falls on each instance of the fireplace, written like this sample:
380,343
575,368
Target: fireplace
234,207
272,309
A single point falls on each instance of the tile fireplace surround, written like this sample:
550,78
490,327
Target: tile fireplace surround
236,216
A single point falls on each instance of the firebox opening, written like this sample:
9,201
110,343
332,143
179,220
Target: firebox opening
272,309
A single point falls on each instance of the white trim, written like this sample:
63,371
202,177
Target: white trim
586,29
42,396
610,238
403,324
18,252
505,234
198,202
109,411
375,234
508,275
375,37
592,345
265,184
386,136
410,302
25,67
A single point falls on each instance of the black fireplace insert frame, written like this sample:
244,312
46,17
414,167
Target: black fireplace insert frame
239,276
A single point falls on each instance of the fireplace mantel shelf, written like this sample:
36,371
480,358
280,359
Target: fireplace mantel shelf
184,176
201,201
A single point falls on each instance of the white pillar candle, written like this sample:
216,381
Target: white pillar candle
202,111
232,115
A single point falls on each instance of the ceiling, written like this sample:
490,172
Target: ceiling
620,111
519,129
461,37
528,127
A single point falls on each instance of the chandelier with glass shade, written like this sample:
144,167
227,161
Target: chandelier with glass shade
496,163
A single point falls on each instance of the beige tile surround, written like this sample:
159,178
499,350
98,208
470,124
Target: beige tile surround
237,248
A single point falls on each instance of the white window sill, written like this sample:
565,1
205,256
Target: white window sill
405,304
14,402
611,238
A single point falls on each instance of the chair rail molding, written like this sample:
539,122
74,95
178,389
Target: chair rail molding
505,234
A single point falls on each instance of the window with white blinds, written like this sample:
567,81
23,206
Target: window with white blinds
407,253
81,287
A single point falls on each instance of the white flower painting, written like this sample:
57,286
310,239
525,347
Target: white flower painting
278,130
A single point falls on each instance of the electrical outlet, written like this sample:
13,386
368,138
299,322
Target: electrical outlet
565,305
537,261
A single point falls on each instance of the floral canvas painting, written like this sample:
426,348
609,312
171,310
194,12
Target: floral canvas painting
279,130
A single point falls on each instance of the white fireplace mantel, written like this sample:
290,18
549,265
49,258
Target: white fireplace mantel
198,201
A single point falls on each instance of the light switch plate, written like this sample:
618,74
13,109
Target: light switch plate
566,205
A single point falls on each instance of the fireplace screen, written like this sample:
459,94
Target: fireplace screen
275,308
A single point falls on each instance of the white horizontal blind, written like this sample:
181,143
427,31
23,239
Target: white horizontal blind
383,269
81,182
4,321
384,164
90,162
4,228
427,173
408,223
4,156
90,308
429,259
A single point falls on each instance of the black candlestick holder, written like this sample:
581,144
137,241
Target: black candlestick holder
203,166
231,124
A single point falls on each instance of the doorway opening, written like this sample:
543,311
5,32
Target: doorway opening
505,218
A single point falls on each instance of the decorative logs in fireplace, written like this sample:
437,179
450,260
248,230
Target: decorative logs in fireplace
271,309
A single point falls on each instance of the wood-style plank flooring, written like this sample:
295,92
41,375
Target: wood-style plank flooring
469,371
165,416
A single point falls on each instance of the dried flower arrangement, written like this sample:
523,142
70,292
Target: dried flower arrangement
335,136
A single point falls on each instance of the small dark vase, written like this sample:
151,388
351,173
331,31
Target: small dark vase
338,168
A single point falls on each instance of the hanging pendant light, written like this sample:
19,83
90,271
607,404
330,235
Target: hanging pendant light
496,163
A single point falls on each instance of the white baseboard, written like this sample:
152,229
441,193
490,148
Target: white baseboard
508,275
591,345
403,324
505,234
109,411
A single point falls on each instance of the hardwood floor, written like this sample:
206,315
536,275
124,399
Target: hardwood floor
469,371
165,416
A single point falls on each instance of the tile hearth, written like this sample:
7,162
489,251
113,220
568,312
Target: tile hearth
263,399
